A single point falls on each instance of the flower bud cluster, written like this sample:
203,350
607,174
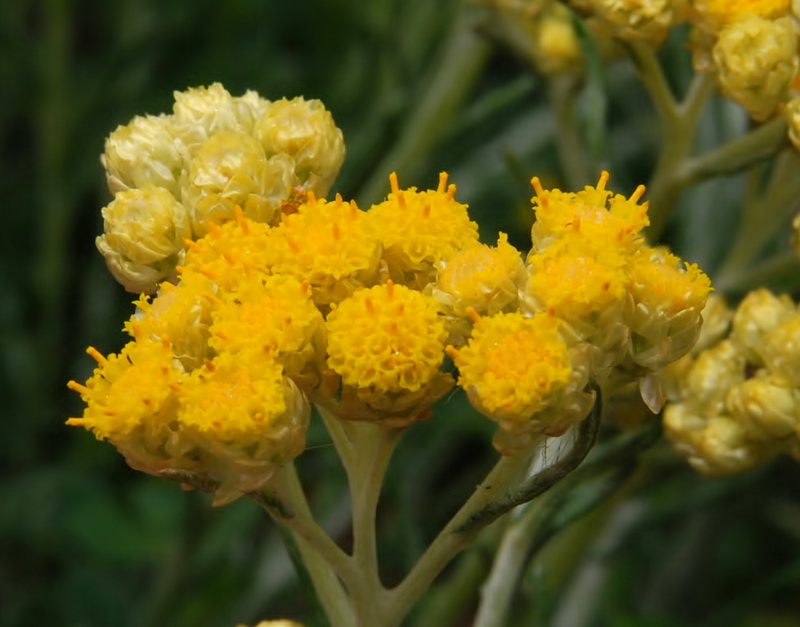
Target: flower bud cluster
357,311
752,45
737,403
173,176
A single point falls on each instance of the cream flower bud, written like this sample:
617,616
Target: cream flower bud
757,61
305,131
144,233
230,170
758,314
781,350
766,408
555,47
202,112
144,152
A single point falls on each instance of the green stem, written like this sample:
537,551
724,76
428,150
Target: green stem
562,93
738,154
327,564
373,447
462,62
492,498
763,215
510,559
774,269
678,121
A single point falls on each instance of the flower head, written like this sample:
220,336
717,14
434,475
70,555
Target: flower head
304,130
143,243
144,152
516,371
328,244
593,213
420,229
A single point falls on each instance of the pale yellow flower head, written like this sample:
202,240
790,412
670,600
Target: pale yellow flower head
144,152
144,237
201,112
668,300
480,277
421,229
766,406
330,245
231,170
554,45
781,350
757,60
305,131
757,315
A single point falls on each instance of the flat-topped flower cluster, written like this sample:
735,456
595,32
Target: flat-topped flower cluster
320,302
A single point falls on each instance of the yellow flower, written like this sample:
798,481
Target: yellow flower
781,350
767,408
518,372
237,247
389,338
144,152
130,394
420,229
144,237
593,213
328,244
713,15
242,419
479,277
270,316
230,170
757,61
305,131
668,301
180,315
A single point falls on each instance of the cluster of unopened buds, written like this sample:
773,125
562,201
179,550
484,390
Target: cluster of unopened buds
268,299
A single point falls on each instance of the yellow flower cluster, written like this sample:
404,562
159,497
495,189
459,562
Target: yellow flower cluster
176,176
737,403
356,311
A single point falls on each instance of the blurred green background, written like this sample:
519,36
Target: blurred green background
85,541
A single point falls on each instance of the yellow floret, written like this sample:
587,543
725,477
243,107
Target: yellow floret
328,244
419,229
388,338
512,365
714,14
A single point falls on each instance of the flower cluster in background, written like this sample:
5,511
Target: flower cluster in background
281,301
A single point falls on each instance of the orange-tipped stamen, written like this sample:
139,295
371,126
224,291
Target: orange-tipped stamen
601,184
393,182
237,211
637,193
77,387
442,182
190,243
390,289
75,422
96,355
474,315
